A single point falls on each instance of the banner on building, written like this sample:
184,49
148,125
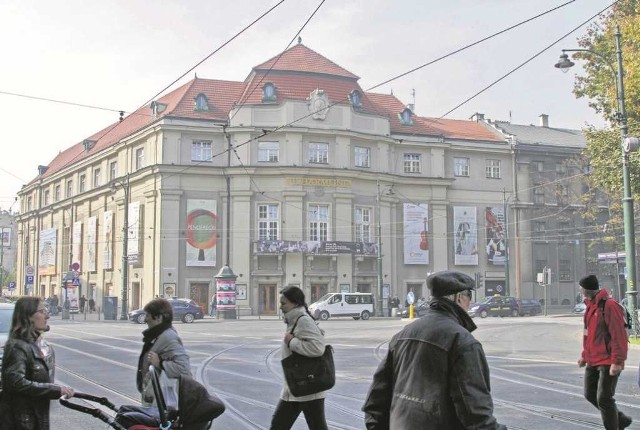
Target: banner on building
133,233
415,226
47,245
6,237
107,240
92,231
495,228
76,246
201,232
465,236
316,247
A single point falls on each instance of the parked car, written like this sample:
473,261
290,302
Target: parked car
419,309
185,310
580,308
529,307
497,306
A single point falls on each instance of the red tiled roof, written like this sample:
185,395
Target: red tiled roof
299,58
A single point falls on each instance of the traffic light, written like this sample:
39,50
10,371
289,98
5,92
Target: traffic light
479,280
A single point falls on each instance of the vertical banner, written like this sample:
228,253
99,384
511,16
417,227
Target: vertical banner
225,294
107,240
466,236
201,233
47,245
6,238
416,226
92,230
133,233
496,246
76,246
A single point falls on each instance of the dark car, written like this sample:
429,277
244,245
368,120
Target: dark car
497,306
529,307
184,310
419,309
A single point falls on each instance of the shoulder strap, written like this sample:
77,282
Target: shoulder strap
296,323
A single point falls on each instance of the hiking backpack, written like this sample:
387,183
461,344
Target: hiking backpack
628,324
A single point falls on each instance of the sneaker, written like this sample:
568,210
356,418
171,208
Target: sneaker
624,421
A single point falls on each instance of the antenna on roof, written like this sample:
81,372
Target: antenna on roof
299,40
195,74
412,106
391,91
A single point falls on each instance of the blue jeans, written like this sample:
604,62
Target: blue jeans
599,389
286,414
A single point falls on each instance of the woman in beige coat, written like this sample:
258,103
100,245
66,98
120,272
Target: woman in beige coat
305,339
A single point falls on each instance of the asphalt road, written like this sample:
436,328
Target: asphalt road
536,383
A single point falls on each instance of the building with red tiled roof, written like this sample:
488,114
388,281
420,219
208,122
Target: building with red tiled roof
293,176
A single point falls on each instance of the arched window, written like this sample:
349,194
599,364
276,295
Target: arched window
405,117
356,99
269,92
202,103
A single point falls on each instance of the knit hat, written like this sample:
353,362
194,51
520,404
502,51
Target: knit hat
589,282
448,282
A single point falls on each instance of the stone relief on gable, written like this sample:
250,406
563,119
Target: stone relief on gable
318,103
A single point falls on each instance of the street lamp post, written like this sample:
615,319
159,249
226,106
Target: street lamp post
125,242
628,145
2,247
505,212
379,253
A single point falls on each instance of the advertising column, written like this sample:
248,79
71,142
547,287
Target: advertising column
226,293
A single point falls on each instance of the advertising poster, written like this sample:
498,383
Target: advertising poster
92,230
76,245
465,236
107,240
72,296
6,237
169,290
415,226
133,232
496,246
201,233
47,245
225,294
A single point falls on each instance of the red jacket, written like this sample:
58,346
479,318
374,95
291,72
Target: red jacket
604,342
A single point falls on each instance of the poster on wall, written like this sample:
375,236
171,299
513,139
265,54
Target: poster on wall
496,246
169,290
415,226
201,233
76,246
133,233
47,245
6,238
465,236
92,226
71,294
107,240
225,294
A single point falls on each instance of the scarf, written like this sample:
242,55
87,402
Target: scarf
149,337
448,306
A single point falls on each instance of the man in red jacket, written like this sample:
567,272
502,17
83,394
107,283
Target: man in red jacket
604,351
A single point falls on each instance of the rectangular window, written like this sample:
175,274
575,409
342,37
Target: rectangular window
319,153
564,270
363,224
561,168
564,229
201,150
29,203
562,193
362,157
46,197
139,158
82,184
461,166
269,151
97,178
69,190
57,194
539,230
538,194
412,163
113,170
540,265
537,166
318,222
493,169
268,222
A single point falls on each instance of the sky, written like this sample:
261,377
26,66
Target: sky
119,54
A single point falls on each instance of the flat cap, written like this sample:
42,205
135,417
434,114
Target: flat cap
589,282
449,282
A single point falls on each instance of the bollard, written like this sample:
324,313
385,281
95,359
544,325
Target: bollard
411,311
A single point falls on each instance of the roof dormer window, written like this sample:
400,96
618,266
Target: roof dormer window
202,103
269,92
157,108
88,144
355,97
406,117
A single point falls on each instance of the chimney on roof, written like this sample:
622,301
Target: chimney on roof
477,117
299,40
42,169
411,107
544,120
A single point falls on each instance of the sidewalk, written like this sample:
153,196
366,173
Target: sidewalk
99,316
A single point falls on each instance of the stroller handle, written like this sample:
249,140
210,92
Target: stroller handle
64,401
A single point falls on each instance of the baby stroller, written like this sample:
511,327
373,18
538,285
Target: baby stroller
194,409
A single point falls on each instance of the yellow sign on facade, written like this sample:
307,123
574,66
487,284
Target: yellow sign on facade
320,182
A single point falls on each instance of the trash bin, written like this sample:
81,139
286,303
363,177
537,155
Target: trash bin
394,312
110,307
65,314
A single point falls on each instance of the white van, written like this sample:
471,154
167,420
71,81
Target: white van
356,305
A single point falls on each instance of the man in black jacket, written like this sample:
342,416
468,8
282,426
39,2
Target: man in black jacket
435,374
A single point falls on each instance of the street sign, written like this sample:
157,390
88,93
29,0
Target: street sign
411,298
29,280
75,282
12,285
75,266
76,274
30,270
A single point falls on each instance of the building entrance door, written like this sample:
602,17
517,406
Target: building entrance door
317,291
268,299
135,296
199,293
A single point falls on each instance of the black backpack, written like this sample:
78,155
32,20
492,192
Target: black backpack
628,324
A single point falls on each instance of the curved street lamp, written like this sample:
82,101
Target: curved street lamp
628,145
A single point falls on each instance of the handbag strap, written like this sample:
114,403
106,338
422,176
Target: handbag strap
295,324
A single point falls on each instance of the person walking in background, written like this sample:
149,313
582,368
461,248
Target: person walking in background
92,305
162,348
304,337
435,375
83,301
27,370
212,306
604,351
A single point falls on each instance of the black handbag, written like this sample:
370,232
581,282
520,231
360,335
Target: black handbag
309,375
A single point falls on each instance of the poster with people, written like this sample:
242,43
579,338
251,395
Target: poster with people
415,226
225,294
495,229
465,235
92,226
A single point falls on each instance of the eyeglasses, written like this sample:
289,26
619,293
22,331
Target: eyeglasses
43,311
467,293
